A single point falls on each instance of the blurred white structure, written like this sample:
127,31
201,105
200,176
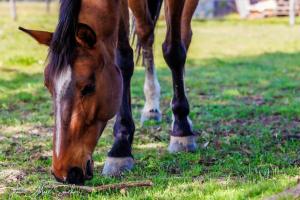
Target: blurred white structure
269,8
292,12
264,5
243,7
13,9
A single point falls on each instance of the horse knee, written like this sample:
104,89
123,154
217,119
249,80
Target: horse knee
125,61
180,107
146,34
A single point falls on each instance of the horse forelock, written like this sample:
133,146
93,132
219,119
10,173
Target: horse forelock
63,44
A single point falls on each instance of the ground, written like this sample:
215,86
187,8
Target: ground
243,82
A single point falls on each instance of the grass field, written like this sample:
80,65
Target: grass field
243,82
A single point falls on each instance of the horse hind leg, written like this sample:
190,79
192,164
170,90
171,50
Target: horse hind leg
146,13
175,51
120,158
151,110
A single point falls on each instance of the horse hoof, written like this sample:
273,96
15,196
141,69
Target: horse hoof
117,166
152,114
182,144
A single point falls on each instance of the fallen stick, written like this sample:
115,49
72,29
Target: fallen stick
118,186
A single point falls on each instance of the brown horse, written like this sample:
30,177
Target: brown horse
89,72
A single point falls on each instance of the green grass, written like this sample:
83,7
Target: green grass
243,82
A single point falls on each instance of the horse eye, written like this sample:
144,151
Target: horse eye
88,89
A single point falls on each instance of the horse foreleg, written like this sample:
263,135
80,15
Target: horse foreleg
120,158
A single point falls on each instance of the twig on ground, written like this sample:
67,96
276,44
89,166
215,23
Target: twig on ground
118,186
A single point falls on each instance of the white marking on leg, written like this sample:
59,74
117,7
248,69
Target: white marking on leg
151,87
188,118
173,120
151,91
62,83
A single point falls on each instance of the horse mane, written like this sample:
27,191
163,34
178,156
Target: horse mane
63,43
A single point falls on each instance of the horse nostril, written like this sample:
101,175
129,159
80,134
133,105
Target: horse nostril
89,169
75,176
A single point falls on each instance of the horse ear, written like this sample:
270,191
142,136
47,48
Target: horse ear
42,37
85,36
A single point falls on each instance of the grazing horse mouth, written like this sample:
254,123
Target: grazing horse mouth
57,178
76,175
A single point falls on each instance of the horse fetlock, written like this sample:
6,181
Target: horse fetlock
149,113
180,107
151,110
